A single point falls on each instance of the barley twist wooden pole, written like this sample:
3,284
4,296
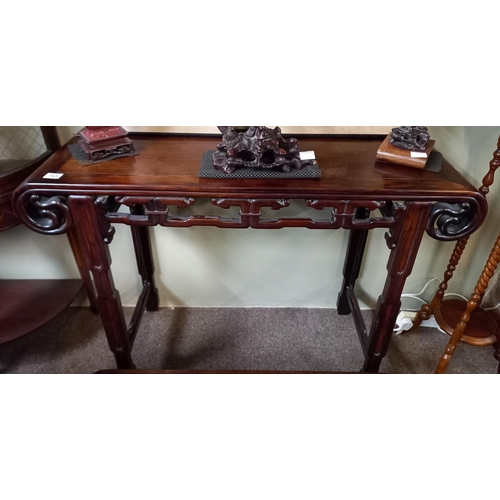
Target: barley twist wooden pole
482,284
428,309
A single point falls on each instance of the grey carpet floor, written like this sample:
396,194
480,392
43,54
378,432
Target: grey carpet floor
231,339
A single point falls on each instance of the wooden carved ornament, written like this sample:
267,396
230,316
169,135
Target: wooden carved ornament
257,147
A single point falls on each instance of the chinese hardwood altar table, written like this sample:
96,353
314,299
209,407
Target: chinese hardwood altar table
358,193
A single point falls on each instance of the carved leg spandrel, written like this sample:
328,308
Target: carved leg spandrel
482,284
96,254
399,268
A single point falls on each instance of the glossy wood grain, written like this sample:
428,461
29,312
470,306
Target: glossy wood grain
171,164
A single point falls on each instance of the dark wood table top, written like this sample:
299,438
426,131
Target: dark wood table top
170,164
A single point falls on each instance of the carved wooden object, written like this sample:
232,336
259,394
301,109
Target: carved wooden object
481,327
356,193
389,153
411,138
257,147
101,142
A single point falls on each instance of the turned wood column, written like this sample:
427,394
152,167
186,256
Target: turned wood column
482,284
428,309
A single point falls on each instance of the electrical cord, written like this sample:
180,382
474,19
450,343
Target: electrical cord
416,296
404,323
491,308
413,295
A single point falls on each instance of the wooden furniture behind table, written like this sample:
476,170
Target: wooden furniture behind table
28,304
470,307
357,193
454,316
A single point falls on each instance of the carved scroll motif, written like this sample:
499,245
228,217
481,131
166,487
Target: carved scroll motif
51,215
397,209
44,214
156,210
342,214
453,221
105,204
104,153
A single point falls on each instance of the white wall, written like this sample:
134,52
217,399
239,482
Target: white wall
288,267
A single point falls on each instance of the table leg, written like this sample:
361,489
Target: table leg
399,267
144,256
83,269
353,260
96,256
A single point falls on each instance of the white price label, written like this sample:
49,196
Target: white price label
52,176
417,154
307,155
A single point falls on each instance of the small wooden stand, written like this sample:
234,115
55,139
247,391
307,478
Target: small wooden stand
480,329
471,306
389,153
101,142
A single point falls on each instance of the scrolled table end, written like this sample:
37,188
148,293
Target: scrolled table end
453,221
44,214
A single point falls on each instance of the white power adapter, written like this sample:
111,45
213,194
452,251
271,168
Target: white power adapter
404,321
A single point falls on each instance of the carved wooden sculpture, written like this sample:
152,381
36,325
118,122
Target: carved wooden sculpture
257,147
411,138
407,146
